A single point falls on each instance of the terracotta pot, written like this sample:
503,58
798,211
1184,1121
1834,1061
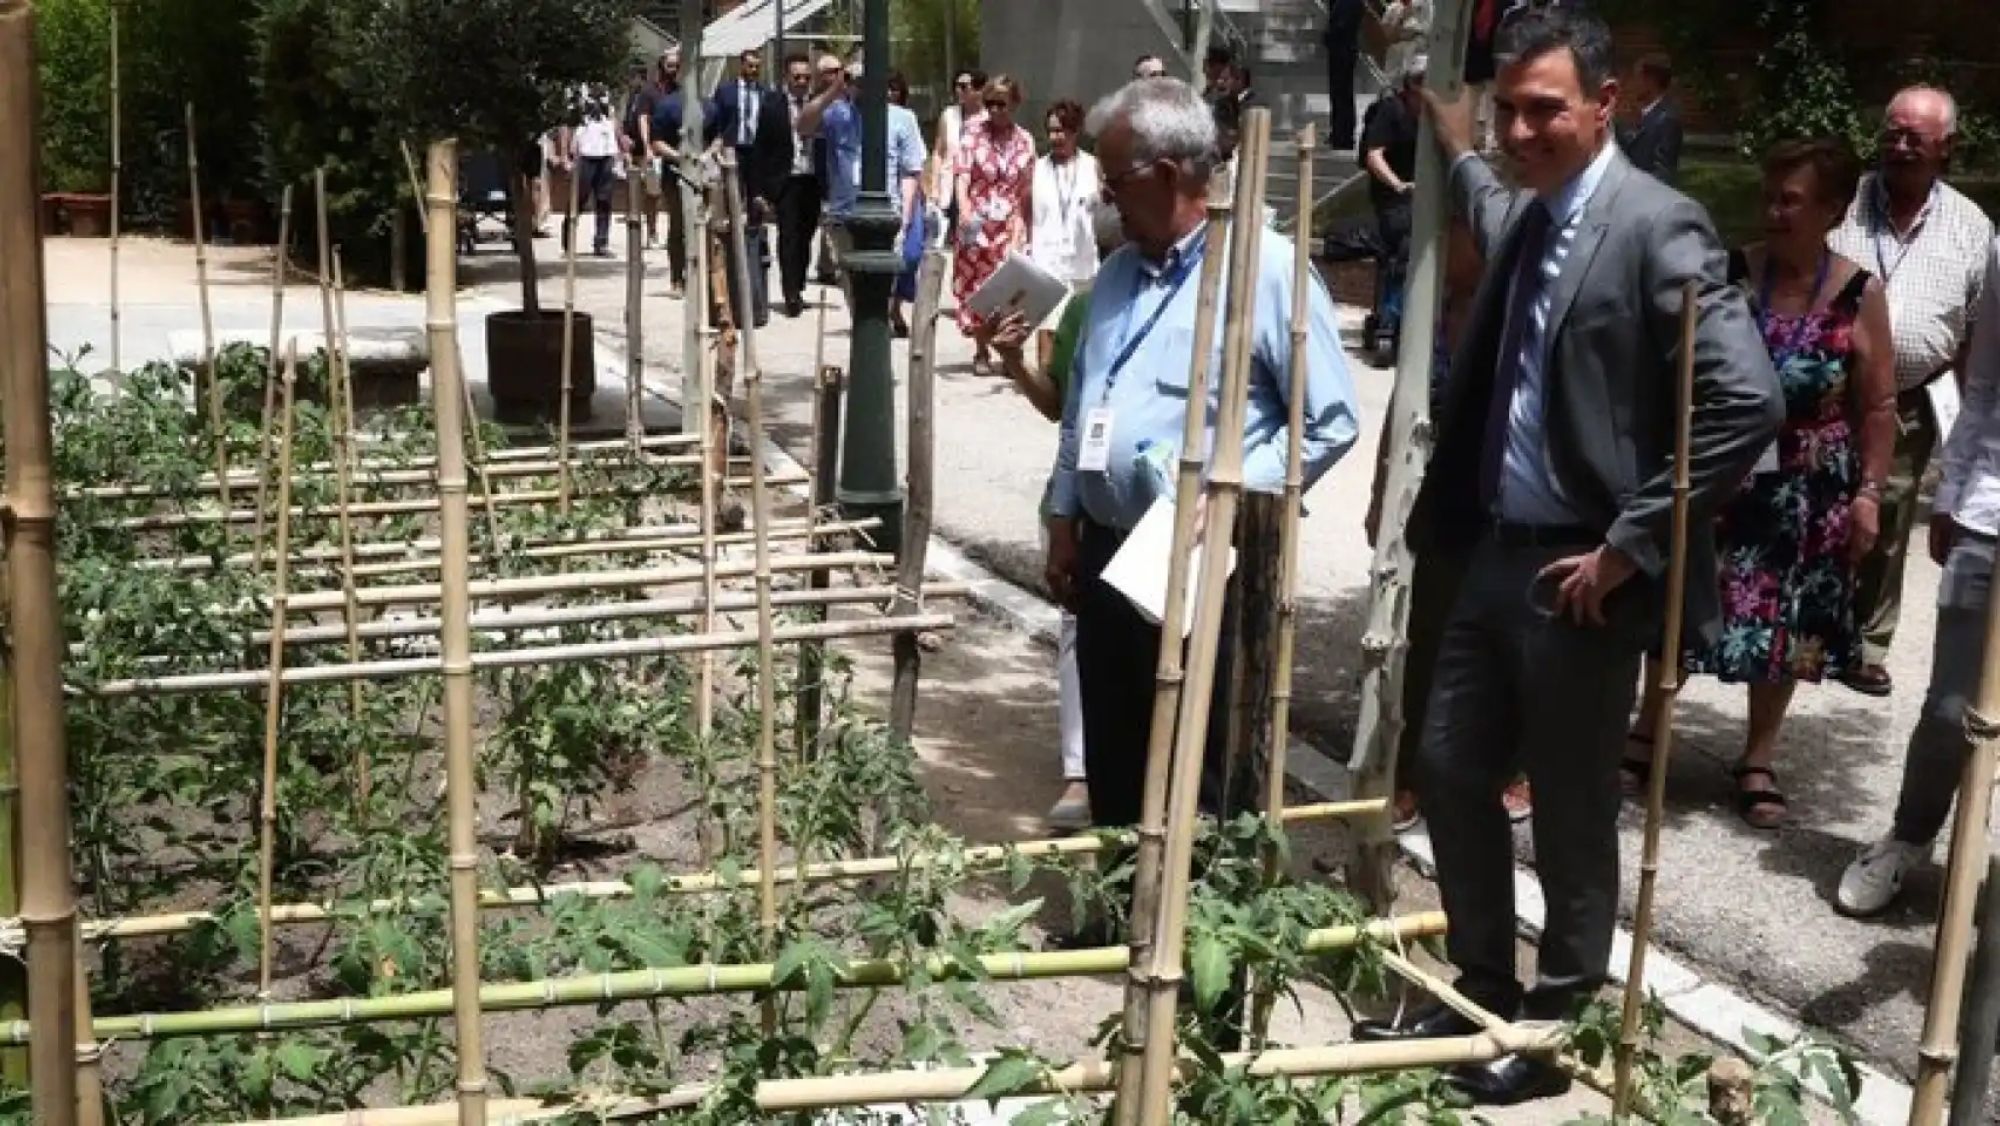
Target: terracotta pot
524,365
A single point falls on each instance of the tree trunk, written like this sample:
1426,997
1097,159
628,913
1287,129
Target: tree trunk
524,240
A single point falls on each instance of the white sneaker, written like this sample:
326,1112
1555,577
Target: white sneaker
1875,879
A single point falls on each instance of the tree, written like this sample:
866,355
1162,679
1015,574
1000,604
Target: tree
492,73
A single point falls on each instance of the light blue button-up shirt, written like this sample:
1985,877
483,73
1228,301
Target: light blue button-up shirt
1147,396
840,127
1528,490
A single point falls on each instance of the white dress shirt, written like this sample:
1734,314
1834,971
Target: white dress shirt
749,100
1063,242
1969,489
802,153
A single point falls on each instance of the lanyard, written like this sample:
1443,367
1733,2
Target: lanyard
1789,346
1187,264
1883,268
1064,198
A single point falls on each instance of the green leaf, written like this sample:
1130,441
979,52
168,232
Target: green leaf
1208,965
1046,1113
299,1061
1007,1075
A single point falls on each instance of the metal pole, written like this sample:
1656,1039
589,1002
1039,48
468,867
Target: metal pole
778,42
869,485
1978,1023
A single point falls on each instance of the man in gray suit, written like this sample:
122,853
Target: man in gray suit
1653,141
1551,482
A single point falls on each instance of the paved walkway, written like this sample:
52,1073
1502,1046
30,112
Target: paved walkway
1747,910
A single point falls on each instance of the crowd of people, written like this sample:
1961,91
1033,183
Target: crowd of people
1829,356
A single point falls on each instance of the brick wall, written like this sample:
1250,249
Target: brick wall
1877,38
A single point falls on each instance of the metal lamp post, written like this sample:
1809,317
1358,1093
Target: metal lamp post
869,485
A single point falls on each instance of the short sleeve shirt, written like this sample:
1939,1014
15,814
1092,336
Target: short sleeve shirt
1393,129
1933,277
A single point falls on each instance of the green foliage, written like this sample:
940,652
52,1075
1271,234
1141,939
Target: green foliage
1802,85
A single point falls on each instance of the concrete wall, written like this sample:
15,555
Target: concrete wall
1080,49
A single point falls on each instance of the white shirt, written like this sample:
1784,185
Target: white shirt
1529,493
749,101
1063,241
1932,276
1969,487
596,134
802,153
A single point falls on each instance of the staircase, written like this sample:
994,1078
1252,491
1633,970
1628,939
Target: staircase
1281,40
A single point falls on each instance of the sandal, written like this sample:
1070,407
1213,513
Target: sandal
1762,807
1635,773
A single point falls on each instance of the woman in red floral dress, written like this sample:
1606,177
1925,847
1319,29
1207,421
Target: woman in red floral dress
996,166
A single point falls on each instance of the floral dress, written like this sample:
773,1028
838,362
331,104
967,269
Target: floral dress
1787,586
996,172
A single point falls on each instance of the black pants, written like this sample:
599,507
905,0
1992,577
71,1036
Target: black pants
675,201
595,181
1117,651
798,227
1515,687
1340,95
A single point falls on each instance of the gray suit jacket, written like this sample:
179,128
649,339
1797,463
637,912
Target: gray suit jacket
1654,143
1614,350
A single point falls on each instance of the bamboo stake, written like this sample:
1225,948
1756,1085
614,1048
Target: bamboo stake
461,783
767,668
342,396
13,971
1148,862
703,980
704,690
391,669
977,858
908,654
1663,724
89,1054
274,691
481,465
514,461
216,430
1225,483
517,499
48,897
806,709
1288,528
117,192
271,370
573,225
635,340
640,539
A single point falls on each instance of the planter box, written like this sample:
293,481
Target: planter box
77,214
524,366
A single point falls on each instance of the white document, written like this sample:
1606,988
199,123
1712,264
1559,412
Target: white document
1139,570
1019,285
1943,394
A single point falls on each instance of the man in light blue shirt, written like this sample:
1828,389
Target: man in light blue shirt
1156,142
834,118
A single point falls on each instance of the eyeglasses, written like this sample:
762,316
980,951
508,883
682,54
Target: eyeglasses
1116,181
1891,138
962,84
998,103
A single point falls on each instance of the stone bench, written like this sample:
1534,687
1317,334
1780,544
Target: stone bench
386,362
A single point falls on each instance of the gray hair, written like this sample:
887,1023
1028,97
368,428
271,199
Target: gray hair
1945,100
1168,119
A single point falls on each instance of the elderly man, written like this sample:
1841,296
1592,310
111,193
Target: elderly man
1128,393
833,118
1927,242
1965,519
1552,482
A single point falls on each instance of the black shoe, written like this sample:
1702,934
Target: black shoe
1510,1080
795,307
1432,1022
1870,680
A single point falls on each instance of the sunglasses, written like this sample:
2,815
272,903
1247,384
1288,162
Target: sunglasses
963,84
998,104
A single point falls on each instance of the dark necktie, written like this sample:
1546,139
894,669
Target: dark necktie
1525,291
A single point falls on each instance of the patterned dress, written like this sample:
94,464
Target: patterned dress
995,170
1787,587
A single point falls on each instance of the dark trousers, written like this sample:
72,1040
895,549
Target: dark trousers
1117,651
1516,688
798,227
1340,94
1392,225
757,307
595,181
677,247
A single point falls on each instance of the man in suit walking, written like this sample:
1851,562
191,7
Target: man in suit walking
1653,141
752,118
1343,48
799,197
1552,481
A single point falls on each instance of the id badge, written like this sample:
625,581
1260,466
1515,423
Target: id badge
1094,452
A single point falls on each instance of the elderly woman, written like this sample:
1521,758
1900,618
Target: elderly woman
1789,542
995,165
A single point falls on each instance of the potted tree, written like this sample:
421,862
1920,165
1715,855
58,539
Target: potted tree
495,74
